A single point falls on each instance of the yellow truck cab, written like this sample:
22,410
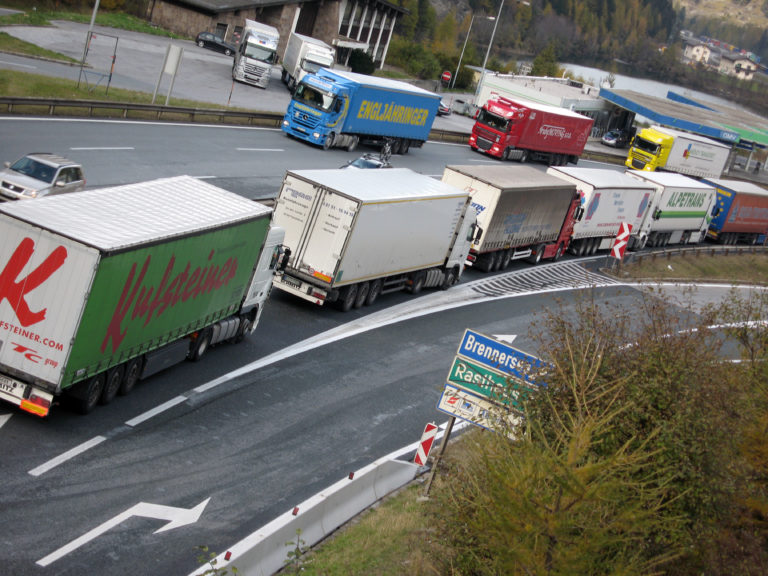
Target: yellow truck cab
649,150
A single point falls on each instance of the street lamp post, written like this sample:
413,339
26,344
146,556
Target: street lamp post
493,33
462,50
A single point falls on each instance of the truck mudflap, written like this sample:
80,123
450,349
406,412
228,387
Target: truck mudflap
25,396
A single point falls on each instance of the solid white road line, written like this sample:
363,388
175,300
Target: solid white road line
68,455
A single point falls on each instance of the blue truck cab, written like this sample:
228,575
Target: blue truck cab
339,109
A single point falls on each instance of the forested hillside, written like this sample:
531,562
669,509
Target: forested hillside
597,31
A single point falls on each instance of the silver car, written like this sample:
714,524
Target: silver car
40,174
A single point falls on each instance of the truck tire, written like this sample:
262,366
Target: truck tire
505,154
536,257
449,280
362,294
329,141
353,144
242,331
112,384
417,281
523,156
405,146
373,292
130,376
506,259
200,344
347,300
88,393
558,253
396,144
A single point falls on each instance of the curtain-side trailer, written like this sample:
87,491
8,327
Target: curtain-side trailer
104,287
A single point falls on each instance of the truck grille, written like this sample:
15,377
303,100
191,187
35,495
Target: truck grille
638,163
254,71
303,120
483,144
486,134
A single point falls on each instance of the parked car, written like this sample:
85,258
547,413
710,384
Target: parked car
368,161
616,138
443,109
40,174
214,42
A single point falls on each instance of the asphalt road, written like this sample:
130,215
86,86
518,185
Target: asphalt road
253,446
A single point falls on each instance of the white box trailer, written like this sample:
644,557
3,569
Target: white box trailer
680,211
609,198
303,55
354,234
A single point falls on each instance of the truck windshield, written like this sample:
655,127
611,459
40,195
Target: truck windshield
493,120
313,66
646,146
260,53
308,95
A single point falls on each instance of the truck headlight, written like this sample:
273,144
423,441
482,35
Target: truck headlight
316,135
285,123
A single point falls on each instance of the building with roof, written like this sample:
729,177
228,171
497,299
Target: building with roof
696,51
737,65
345,24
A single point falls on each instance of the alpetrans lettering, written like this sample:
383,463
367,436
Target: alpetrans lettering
151,301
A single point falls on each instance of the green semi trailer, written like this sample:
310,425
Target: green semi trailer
101,288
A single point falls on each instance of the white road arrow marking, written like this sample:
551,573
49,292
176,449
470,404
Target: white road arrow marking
176,517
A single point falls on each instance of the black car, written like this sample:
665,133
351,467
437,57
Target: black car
616,138
209,40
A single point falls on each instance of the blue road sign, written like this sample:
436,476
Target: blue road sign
501,357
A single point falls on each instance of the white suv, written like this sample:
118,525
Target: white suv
40,174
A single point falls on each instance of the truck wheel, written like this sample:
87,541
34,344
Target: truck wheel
489,262
505,154
417,282
405,146
348,300
200,344
329,141
523,156
242,331
396,146
506,259
112,384
449,280
130,376
373,292
536,258
362,294
89,393
353,144
558,253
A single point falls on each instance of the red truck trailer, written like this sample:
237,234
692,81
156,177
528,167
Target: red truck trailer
523,130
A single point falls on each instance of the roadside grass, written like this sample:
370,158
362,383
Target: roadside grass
13,45
109,19
737,268
24,85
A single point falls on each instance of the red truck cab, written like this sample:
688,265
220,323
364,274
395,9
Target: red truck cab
520,130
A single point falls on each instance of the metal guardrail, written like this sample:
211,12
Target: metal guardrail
159,112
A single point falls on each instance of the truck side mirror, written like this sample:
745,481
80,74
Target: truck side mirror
578,214
337,106
657,214
475,234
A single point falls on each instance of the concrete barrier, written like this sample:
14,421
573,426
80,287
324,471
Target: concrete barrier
265,551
